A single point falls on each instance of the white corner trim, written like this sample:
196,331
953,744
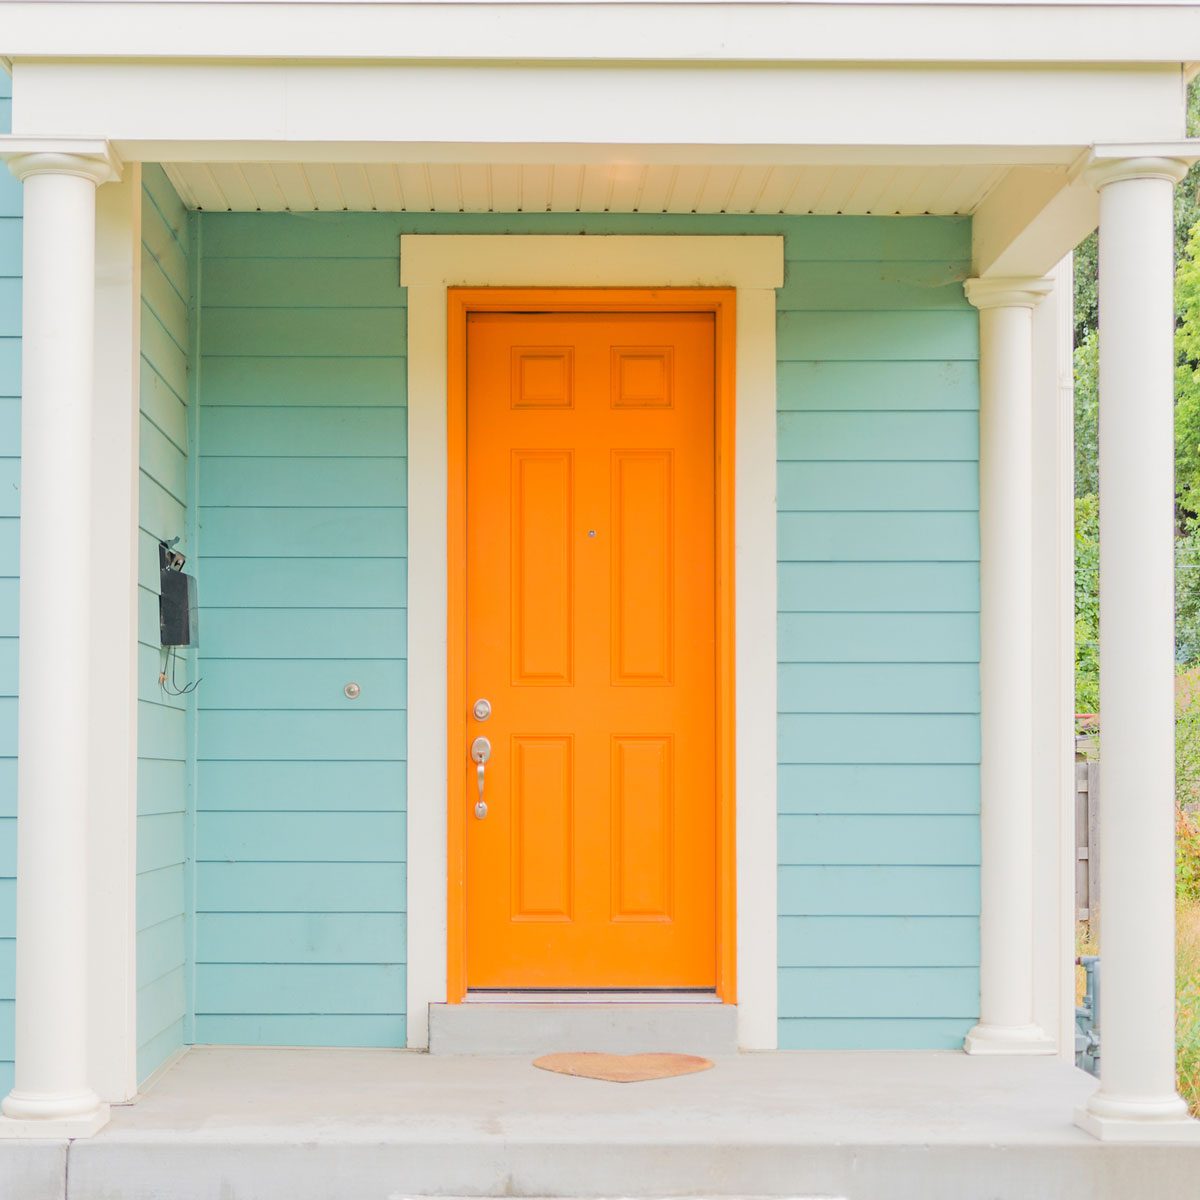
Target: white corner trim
1054,666
754,266
112,833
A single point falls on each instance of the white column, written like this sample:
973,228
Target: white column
52,1094
1137,1098
1006,1022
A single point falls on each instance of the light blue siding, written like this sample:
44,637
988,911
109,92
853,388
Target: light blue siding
301,786
858,993
252,888
308,938
316,633
871,687
919,587
162,932
301,828
303,540
913,386
878,640
10,456
865,891
299,923
831,839
304,1029
911,637
303,837
879,941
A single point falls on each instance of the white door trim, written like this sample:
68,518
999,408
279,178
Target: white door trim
429,264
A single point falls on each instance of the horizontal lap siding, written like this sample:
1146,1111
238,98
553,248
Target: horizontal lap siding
10,463
300,884
162,718
300,836
878,646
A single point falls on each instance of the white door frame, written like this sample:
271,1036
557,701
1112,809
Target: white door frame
431,263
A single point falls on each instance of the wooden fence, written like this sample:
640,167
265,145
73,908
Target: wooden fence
1087,828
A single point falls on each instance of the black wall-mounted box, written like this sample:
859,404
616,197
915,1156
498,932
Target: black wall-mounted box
178,620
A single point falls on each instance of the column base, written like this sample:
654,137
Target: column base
37,1115
1008,1039
1112,1119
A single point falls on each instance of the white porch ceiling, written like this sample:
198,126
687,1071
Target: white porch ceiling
615,187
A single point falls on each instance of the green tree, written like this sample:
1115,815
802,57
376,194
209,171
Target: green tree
1087,280
1087,415
1187,596
1087,604
1187,378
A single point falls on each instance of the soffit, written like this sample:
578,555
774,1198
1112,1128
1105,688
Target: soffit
447,187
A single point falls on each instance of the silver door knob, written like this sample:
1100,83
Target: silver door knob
481,751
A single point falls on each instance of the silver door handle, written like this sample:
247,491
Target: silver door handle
481,751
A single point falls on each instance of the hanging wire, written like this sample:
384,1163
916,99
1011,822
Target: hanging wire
174,688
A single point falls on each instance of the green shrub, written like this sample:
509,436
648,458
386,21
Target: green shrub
1087,604
1187,1012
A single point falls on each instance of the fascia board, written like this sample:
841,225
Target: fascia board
663,30
742,113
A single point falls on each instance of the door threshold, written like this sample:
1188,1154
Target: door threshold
598,996
614,1022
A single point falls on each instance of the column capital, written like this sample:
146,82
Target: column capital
1008,291
1102,171
85,158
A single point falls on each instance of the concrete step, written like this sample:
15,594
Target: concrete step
245,1123
617,1027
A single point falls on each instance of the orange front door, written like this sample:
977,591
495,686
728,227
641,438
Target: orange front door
591,532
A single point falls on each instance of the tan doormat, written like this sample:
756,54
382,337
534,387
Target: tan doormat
622,1068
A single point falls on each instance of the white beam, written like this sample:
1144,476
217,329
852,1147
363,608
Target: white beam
571,104
1030,221
1039,214
816,30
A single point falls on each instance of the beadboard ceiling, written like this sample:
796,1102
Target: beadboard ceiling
446,187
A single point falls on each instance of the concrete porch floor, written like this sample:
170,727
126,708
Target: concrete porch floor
227,1123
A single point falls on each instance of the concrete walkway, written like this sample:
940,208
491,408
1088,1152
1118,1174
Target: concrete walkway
251,1124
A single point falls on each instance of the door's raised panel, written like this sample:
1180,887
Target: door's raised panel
643,632
643,786
543,377
543,576
643,377
543,787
